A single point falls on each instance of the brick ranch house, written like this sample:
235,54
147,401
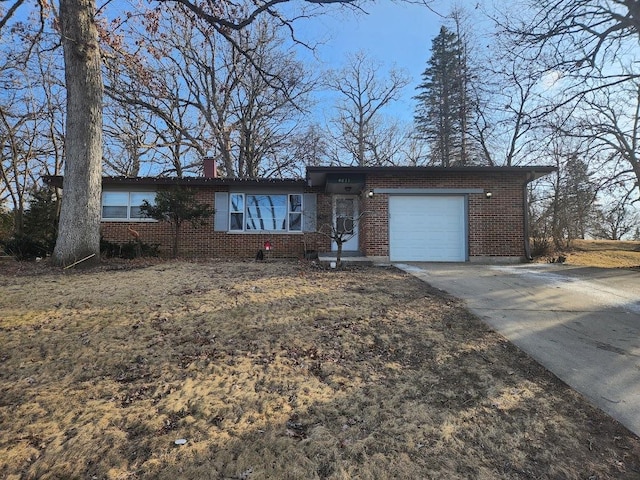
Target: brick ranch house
455,214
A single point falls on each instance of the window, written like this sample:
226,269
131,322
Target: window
345,211
115,205
236,211
125,205
135,202
263,212
295,213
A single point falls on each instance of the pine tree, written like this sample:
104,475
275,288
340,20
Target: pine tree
579,196
572,206
441,115
41,218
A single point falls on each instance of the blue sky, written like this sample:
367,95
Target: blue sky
397,34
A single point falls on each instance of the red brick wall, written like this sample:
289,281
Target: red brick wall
496,225
203,242
374,226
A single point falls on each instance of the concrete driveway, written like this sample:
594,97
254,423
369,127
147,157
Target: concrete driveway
583,324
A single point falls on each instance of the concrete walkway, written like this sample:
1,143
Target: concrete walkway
583,324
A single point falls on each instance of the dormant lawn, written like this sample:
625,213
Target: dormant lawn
276,370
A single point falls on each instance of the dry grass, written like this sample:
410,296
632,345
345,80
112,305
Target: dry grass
277,371
604,253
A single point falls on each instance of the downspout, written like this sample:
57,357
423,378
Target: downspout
525,206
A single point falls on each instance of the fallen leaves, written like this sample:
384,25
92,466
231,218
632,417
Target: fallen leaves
276,370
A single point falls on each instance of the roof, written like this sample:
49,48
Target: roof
56,181
318,175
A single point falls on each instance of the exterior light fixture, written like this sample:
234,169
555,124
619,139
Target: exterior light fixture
370,194
267,245
488,194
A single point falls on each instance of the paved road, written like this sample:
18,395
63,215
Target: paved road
583,324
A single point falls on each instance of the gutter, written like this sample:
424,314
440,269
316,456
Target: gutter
57,180
525,216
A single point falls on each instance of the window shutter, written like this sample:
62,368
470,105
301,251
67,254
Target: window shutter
310,213
221,215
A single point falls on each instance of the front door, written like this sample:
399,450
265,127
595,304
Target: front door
345,222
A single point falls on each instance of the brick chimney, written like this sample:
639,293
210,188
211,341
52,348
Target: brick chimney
210,170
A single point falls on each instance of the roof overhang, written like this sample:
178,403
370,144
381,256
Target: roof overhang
344,180
57,181
345,183
324,176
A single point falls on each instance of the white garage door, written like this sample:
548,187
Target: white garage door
427,228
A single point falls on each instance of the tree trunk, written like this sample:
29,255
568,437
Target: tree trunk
79,231
361,140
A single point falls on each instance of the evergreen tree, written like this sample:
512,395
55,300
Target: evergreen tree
176,206
579,194
572,209
41,218
40,226
441,115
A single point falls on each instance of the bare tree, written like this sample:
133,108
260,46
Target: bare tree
610,120
390,141
566,199
415,151
126,139
15,176
149,122
614,221
310,146
590,46
340,231
508,107
212,99
149,117
577,35
30,116
263,119
363,94
80,213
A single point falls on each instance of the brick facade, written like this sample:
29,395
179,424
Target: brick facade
495,226
203,242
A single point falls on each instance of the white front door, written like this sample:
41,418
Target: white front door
345,222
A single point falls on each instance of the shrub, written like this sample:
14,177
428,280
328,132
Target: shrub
25,247
176,206
41,218
6,225
128,250
540,246
39,226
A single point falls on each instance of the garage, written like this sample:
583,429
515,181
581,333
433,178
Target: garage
427,228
